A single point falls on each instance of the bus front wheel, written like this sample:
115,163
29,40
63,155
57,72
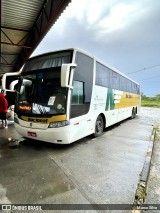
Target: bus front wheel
99,126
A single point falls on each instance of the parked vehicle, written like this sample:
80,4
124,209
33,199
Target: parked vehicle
66,95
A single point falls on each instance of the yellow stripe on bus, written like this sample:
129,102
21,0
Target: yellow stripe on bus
44,120
127,100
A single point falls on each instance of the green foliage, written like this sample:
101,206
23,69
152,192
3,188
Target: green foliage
150,101
158,96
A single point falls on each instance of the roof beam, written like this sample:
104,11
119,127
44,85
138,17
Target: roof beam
18,45
47,16
5,53
16,29
11,42
9,65
28,39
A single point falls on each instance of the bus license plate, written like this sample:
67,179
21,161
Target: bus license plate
32,134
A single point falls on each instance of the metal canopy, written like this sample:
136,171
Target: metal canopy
24,23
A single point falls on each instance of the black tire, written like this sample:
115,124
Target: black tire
133,113
99,126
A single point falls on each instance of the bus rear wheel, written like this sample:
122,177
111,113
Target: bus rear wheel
99,126
133,113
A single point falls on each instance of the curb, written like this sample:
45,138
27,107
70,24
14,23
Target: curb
146,168
142,184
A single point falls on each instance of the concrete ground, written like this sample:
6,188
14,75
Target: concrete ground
153,186
104,170
152,116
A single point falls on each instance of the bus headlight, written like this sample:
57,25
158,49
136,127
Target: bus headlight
58,124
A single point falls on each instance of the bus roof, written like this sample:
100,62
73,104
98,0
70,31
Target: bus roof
86,53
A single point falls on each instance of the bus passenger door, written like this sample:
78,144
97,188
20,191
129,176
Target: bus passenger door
80,115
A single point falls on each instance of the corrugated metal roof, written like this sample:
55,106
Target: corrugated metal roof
24,23
20,14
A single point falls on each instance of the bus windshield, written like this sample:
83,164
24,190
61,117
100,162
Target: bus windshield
41,93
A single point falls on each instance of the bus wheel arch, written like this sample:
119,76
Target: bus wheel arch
99,125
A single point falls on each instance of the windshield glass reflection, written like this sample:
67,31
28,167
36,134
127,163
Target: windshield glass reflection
41,93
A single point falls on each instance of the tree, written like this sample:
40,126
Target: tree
158,96
143,96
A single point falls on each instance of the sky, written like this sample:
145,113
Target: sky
122,33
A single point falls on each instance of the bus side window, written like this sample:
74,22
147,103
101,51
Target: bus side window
78,93
78,107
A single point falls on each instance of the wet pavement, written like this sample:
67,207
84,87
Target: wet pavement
103,170
153,186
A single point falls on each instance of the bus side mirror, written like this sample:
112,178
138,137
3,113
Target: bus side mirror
4,80
67,71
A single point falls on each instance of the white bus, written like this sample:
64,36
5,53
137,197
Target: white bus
65,95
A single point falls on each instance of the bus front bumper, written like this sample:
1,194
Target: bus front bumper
53,135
